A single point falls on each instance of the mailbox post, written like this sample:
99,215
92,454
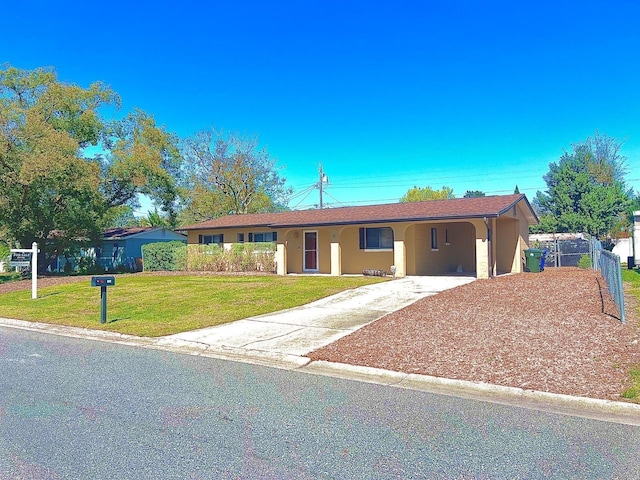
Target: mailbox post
103,283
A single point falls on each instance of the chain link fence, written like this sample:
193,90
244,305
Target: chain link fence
564,253
609,265
567,252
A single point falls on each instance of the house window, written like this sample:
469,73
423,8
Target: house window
241,238
434,239
208,239
259,237
446,237
376,238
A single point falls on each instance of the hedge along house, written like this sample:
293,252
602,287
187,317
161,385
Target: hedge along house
482,236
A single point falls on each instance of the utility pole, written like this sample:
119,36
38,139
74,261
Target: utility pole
322,180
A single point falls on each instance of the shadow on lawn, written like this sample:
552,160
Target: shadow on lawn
50,294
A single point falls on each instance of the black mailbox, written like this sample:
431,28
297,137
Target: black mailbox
103,281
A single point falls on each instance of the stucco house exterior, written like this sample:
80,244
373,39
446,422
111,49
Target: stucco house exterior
483,236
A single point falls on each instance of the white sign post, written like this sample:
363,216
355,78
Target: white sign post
23,257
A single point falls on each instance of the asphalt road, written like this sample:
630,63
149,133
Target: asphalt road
79,409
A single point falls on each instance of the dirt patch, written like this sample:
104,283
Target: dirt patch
557,331
42,283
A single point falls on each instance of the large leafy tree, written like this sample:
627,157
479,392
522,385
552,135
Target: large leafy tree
141,158
229,174
585,189
52,191
417,194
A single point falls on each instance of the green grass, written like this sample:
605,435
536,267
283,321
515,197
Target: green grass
147,305
633,391
631,279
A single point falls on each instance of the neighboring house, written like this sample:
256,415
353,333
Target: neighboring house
484,236
624,249
123,246
120,247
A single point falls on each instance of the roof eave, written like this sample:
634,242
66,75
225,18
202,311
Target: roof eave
383,220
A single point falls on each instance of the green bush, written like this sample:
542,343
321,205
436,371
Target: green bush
585,261
164,256
9,277
4,252
88,266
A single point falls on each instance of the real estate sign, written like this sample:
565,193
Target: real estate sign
23,257
20,258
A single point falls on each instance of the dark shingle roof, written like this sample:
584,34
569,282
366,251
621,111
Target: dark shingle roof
458,208
123,232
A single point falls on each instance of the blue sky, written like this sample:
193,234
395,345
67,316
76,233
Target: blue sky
386,95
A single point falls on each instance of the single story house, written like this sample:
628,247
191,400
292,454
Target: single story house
123,246
118,247
484,236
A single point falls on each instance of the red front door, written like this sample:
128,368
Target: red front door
311,251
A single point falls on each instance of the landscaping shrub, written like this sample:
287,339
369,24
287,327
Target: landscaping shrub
242,257
88,266
9,276
5,252
164,256
585,261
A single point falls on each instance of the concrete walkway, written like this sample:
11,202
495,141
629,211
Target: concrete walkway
298,331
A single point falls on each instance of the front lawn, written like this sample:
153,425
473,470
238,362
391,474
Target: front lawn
631,279
149,305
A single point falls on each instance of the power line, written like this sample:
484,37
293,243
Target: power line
373,201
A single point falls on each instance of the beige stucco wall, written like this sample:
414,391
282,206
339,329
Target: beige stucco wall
523,238
511,240
506,241
294,241
324,252
459,250
355,260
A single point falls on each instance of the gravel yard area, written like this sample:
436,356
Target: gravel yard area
557,331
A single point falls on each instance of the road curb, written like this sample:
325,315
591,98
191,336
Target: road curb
604,410
596,409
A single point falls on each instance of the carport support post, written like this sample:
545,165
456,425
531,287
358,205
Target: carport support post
336,254
482,249
399,251
281,257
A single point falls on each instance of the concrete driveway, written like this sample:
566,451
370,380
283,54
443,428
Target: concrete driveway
298,331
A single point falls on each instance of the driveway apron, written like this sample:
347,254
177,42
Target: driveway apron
298,331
